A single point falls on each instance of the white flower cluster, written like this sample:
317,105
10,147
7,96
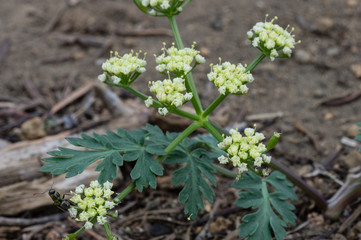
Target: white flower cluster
230,78
91,202
178,61
170,93
163,4
120,68
243,151
271,38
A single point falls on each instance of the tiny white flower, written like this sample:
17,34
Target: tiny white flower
149,102
102,77
287,51
145,3
221,145
115,79
266,159
80,189
249,34
73,212
107,185
258,161
249,132
94,184
242,168
101,220
223,159
163,111
188,96
255,42
222,90
88,225
233,131
109,204
200,59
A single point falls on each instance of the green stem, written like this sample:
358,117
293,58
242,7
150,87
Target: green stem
186,3
214,104
124,193
175,30
185,114
107,230
189,77
225,172
191,128
212,130
255,62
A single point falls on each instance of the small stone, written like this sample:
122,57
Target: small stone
316,219
324,25
352,3
33,128
351,160
219,225
333,51
356,69
319,93
351,130
328,116
303,56
304,169
205,52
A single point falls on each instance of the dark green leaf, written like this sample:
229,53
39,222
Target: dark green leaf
113,148
265,222
198,168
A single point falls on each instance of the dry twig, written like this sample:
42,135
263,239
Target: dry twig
303,130
7,221
72,97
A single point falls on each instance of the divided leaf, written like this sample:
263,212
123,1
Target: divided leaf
113,148
258,225
198,168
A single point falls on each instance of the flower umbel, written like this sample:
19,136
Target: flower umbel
178,61
244,151
91,203
170,93
230,78
271,38
122,69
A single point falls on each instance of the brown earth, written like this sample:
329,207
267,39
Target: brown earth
327,64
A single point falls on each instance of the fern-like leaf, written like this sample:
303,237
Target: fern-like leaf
113,148
193,175
265,222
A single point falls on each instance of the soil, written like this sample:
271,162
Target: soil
327,64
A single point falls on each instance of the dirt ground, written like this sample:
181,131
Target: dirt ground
57,55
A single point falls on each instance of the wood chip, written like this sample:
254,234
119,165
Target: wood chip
356,69
312,137
81,91
264,116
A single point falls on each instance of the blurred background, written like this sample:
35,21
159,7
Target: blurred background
51,54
